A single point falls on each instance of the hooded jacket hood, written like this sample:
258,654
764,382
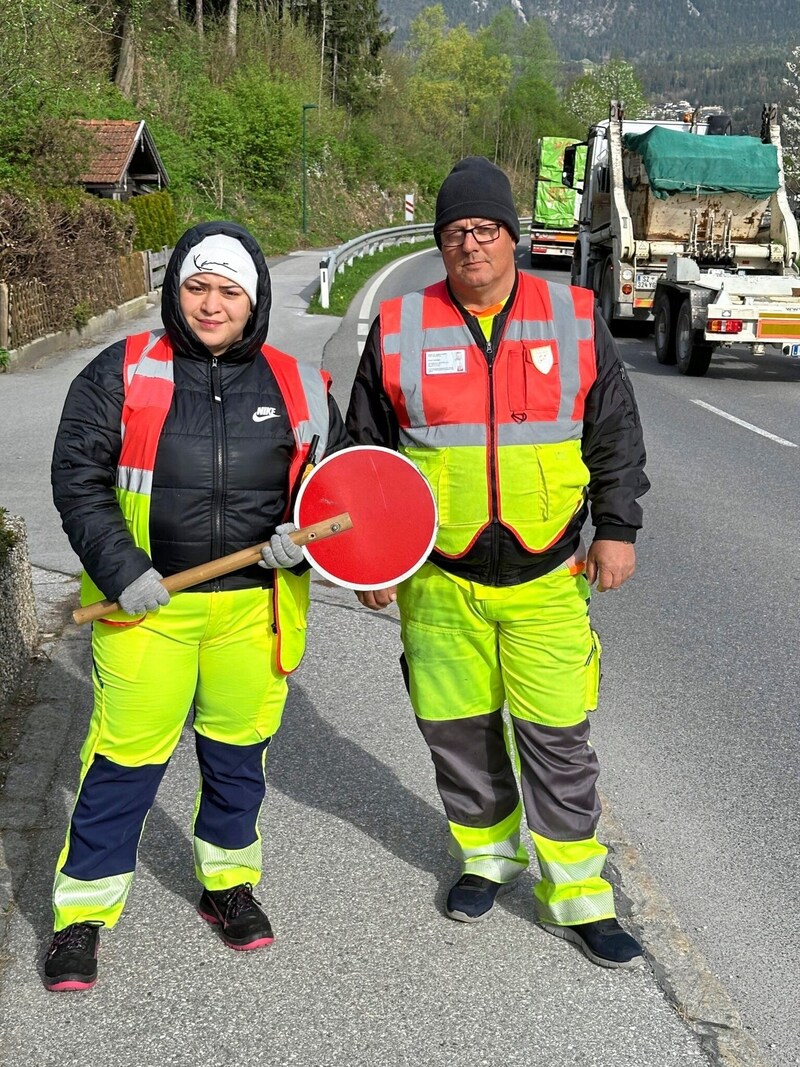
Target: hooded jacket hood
182,338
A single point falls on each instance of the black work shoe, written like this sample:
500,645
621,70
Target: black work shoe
472,898
242,923
71,960
604,942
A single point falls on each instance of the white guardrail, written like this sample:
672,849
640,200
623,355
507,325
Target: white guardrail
338,259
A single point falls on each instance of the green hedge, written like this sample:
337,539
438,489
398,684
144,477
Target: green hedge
156,221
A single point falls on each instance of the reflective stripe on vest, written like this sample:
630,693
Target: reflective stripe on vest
149,386
501,441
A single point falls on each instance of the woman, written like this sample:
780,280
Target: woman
175,448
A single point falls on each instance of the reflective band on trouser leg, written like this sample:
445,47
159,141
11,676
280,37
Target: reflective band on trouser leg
100,900
227,843
491,851
571,889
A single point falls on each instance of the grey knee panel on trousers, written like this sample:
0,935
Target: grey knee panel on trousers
474,773
559,772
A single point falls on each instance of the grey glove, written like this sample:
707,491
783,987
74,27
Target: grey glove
146,593
281,550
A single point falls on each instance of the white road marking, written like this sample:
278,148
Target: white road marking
746,425
365,314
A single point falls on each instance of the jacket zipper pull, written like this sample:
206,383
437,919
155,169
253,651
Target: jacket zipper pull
215,384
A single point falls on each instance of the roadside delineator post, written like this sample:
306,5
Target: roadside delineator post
324,284
409,203
4,325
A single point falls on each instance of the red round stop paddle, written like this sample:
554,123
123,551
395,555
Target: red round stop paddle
391,508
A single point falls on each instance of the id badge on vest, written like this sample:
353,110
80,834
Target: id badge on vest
446,361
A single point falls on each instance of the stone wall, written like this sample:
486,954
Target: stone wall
19,630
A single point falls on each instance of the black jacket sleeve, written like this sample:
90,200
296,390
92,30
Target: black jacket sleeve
83,474
613,446
338,437
370,417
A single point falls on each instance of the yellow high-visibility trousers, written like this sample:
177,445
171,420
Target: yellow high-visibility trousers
471,649
213,650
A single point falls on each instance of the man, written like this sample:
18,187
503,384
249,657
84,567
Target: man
175,448
509,395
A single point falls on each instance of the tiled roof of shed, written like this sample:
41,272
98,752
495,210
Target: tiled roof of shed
116,141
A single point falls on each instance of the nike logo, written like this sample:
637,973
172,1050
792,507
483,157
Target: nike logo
262,414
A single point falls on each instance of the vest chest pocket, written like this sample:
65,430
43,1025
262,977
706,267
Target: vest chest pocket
533,380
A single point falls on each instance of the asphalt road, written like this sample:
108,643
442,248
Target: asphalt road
698,730
697,736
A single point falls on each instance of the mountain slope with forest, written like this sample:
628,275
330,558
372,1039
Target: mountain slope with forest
631,29
729,53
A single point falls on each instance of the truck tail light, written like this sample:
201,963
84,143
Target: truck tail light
725,326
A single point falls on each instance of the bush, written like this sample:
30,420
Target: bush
65,244
156,221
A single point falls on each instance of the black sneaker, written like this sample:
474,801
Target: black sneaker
71,960
242,923
604,942
472,898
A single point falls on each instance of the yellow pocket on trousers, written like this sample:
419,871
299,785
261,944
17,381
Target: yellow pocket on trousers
594,672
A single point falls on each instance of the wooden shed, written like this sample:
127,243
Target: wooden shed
124,159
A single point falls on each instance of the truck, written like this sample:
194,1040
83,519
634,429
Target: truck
688,227
554,223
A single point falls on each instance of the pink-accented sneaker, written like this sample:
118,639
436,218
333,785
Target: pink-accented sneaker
71,961
243,924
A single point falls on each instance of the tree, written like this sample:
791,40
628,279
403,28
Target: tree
588,97
233,18
531,106
457,87
352,36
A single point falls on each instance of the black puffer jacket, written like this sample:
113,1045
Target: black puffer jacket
220,478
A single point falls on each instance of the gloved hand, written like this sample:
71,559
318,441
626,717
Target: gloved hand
146,593
281,550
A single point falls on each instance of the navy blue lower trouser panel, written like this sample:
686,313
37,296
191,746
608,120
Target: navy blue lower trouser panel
109,814
232,792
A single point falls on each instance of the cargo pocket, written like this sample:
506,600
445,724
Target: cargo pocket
594,672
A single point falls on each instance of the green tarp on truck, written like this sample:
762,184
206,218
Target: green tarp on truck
677,161
554,203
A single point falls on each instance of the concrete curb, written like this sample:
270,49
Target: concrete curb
19,630
680,969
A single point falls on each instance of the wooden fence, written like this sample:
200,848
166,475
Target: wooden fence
26,313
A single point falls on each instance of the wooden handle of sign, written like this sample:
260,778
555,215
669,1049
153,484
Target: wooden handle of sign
224,565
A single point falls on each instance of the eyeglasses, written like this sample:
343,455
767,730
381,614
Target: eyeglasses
483,234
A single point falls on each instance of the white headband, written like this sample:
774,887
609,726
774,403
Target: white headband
219,254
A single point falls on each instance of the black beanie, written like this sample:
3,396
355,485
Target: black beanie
475,189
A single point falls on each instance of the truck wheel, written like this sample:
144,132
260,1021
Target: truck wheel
664,329
607,297
693,355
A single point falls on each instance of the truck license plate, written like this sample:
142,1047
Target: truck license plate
646,281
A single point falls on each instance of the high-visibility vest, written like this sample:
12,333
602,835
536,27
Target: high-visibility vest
148,389
500,438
